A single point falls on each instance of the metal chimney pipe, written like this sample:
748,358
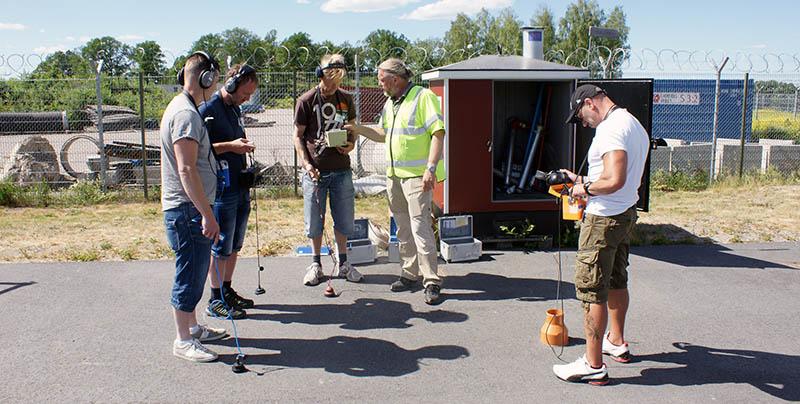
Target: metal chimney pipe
533,42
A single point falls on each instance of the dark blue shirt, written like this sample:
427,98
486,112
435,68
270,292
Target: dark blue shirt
227,125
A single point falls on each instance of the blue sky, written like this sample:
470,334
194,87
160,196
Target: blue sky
41,27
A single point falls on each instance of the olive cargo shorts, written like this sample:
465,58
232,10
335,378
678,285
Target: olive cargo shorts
602,259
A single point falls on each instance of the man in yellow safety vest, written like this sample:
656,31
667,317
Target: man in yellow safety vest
412,127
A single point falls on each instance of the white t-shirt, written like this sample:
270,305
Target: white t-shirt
619,131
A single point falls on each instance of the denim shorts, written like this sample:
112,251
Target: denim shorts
232,209
339,184
602,259
184,226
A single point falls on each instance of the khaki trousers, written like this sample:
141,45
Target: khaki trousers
411,209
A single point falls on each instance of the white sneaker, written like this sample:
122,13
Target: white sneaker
619,353
193,351
313,274
206,333
349,272
580,371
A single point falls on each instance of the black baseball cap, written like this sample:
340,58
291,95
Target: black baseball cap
576,101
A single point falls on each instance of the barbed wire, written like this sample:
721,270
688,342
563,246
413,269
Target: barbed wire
420,59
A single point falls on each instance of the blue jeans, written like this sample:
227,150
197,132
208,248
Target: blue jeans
184,226
232,209
315,194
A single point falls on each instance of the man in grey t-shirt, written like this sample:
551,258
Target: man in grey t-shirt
188,186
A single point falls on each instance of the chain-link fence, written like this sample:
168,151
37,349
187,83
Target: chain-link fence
54,130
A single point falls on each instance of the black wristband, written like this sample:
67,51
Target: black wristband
586,188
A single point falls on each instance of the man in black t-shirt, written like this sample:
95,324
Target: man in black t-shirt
327,168
232,204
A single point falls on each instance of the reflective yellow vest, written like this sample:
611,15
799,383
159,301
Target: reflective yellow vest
409,130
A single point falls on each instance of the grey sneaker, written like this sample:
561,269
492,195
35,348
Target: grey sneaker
206,333
432,294
193,351
349,272
402,285
313,275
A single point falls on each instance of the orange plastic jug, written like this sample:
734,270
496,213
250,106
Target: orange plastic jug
553,331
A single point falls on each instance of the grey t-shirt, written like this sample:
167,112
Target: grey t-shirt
181,120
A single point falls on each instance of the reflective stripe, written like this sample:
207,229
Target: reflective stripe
433,120
413,114
409,131
410,163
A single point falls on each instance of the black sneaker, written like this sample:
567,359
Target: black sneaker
432,294
233,299
218,309
402,285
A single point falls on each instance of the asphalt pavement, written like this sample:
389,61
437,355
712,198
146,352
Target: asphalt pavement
706,323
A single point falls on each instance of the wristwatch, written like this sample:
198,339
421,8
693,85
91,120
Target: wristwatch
431,169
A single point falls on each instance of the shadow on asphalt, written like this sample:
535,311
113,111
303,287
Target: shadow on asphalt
363,314
11,286
482,286
708,255
362,357
774,374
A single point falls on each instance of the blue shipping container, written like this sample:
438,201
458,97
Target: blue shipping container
684,109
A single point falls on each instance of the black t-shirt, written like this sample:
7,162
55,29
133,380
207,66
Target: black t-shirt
332,112
227,125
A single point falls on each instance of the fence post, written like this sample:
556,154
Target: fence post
141,125
794,115
101,141
294,97
744,125
359,167
711,171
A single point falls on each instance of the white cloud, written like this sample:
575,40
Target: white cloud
448,9
362,6
70,39
46,50
10,26
303,1
759,46
84,38
42,30
130,37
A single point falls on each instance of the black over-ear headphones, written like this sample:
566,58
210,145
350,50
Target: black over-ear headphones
232,84
320,71
207,75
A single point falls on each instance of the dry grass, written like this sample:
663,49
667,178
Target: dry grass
722,215
135,231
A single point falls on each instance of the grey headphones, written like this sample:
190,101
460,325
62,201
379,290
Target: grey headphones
232,84
207,75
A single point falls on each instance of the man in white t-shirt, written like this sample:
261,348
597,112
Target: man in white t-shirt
616,161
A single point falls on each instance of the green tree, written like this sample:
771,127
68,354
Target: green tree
569,43
544,19
60,65
426,54
115,54
461,39
300,52
149,58
504,32
775,87
382,44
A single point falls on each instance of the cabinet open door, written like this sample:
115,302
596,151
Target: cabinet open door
635,95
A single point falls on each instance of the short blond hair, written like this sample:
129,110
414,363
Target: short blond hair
396,67
332,58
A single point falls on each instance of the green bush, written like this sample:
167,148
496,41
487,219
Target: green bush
678,181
